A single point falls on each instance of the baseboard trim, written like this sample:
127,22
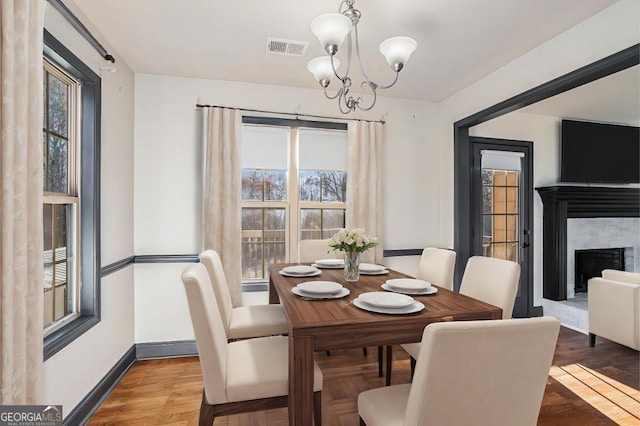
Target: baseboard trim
91,402
173,349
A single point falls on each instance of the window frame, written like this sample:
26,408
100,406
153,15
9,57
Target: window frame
89,194
293,205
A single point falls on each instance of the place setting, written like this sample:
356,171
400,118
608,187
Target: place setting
387,303
409,286
300,271
319,290
329,263
372,269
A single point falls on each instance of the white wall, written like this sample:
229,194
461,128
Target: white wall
71,373
168,158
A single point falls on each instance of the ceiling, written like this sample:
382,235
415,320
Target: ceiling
459,41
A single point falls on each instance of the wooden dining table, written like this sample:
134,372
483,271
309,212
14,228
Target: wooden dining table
319,325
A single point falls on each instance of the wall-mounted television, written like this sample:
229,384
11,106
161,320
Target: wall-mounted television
599,153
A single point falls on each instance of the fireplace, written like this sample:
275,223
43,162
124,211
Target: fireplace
578,202
590,263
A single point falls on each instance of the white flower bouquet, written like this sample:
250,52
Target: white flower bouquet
352,241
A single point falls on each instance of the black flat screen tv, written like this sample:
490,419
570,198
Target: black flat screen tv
599,153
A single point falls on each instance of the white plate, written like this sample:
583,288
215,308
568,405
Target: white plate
412,308
321,287
317,265
370,267
429,290
342,293
409,284
313,274
299,270
383,272
327,263
383,299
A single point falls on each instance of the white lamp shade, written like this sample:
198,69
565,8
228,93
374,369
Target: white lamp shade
331,28
321,67
397,50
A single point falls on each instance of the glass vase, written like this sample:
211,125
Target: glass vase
351,266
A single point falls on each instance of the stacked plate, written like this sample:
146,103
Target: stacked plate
300,271
320,290
329,263
372,269
387,303
409,286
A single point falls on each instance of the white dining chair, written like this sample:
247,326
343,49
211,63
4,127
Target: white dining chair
481,373
437,267
242,376
491,280
243,321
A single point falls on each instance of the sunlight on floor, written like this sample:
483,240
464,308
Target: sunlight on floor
615,400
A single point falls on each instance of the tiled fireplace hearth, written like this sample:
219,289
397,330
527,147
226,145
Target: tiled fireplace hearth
577,218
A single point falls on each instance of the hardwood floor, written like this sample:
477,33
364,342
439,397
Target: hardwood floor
168,391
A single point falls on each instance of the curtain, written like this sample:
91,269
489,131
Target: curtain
222,186
364,202
21,239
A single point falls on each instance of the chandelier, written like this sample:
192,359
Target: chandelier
331,29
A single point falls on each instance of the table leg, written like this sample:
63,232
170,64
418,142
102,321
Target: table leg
273,294
300,380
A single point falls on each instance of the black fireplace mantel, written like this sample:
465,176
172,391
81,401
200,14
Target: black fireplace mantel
564,202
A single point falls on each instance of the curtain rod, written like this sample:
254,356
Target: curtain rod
287,113
79,27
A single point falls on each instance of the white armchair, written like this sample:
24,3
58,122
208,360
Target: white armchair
614,308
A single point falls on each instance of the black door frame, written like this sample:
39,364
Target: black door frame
463,154
526,212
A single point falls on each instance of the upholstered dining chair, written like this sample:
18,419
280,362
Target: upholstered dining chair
491,280
243,321
481,373
241,376
436,266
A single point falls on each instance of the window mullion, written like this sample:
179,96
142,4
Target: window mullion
293,194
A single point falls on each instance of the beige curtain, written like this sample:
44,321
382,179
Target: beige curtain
21,242
222,186
364,202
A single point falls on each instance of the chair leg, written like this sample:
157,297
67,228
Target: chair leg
362,423
380,356
387,381
364,351
328,353
317,408
413,367
592,340
207,415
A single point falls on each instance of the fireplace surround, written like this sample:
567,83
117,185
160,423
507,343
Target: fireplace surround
563,202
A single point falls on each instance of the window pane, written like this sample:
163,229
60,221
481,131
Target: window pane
58,165
47,211
273,253
332,222
264,147
487,199
487,177
487,227
310,224
322,149
334,186
275,185
274,225
60,237
251,225
309,185
251,260
58,106
251,185
45,170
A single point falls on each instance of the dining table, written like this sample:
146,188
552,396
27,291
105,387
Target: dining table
319,325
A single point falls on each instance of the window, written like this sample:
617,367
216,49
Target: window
294,183
500,213
71,196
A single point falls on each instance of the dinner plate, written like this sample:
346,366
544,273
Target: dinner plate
382,299
428,290
320,287
383,272
412,308
341,293
409,284
313,274
299,270
328,263
371,267
322,266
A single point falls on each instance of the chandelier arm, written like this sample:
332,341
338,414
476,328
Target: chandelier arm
355,29
368,80
344,101
392,83
334,96
373,87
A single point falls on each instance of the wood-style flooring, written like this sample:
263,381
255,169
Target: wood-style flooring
168,391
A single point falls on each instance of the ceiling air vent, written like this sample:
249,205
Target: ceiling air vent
280,46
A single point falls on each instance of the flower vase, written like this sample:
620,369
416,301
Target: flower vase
351,266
